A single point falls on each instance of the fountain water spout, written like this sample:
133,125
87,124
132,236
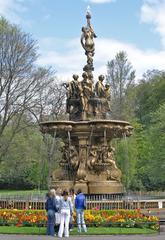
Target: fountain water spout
105,136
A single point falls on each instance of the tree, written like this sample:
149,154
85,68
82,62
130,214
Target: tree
148,138
151,166
157,138
120,76
17,82
149,95
21,82
49,103
25,162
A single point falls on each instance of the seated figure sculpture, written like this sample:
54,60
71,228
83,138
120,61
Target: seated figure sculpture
74,92
103,93
85,101
87,90
107,97
74,87
99,87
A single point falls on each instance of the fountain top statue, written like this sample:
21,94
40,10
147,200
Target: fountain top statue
87,42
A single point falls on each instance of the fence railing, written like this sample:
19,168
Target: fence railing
103,202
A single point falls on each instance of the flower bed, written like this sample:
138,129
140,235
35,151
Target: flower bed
22,217
116,218
121,218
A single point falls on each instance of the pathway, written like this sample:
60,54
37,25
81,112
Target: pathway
132,237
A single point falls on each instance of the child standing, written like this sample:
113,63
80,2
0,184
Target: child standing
66,211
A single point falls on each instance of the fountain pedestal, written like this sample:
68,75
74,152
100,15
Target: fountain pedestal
63,184
81,185
105,187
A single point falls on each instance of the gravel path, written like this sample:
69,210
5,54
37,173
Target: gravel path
132,237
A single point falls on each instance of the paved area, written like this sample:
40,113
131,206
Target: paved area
132,237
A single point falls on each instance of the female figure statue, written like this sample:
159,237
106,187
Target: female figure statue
87,40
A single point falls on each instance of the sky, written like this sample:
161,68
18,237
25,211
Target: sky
135,26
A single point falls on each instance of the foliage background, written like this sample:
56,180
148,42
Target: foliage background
24,156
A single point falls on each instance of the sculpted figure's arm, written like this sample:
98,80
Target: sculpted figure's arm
83,37
68,89
92,31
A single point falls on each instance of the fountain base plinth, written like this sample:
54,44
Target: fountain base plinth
92,187
105,187
81,185
65,185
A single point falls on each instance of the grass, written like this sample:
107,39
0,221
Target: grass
21,192
91,231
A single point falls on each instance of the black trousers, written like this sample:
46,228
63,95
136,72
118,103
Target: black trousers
56,228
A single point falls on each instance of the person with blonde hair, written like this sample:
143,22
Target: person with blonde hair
50,207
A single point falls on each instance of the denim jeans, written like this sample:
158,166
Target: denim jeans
80,220
51,222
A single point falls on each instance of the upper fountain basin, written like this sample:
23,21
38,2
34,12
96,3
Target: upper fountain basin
113,128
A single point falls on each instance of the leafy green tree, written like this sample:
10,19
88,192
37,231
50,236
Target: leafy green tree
149,102
156,137
149,95
21,165
20,79
120,76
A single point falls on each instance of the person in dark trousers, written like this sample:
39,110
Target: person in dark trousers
80,205
50,207
57,214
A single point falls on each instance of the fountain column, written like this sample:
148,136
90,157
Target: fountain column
81,181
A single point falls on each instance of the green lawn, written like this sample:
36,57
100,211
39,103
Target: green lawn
21,192
91,231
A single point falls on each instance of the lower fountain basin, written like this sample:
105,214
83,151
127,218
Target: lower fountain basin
87,155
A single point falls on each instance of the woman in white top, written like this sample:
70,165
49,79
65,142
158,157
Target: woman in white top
66,211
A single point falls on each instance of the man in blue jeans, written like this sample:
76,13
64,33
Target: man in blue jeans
80,205
51,208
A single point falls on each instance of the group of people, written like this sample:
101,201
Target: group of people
60,207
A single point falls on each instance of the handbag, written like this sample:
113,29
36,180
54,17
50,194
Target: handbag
57,218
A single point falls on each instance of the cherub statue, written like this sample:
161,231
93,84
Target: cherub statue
113,172
73,156
92,159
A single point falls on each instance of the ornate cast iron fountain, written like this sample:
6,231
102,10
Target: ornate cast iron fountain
88,157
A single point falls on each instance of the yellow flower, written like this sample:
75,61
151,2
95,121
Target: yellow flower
121,220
